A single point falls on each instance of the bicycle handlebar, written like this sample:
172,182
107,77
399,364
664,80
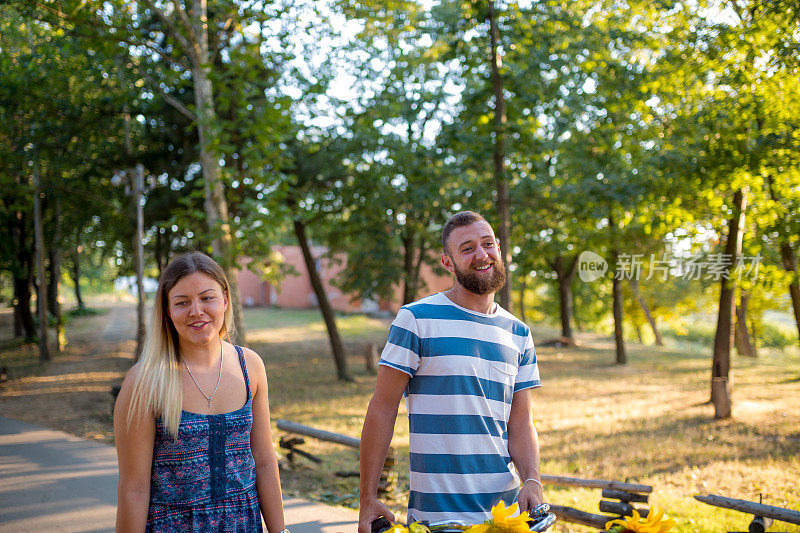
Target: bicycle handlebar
540,520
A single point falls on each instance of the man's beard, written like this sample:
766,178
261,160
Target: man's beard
476,283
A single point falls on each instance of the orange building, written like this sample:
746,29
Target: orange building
295,290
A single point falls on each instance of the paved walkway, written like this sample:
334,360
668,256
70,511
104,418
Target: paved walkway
52,481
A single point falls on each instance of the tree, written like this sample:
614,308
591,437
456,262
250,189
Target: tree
503,223
397,185
165,42
729,118
56,133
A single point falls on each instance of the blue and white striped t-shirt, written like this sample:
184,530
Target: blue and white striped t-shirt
465,367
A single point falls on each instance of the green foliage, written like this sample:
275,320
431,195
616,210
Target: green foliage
85,311
773,336
628,128
693,331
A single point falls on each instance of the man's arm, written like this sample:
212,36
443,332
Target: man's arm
523,446
376,436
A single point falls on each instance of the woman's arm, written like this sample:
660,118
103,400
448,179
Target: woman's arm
134,444
268,483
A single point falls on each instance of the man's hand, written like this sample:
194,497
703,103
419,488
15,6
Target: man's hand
369,511
530,495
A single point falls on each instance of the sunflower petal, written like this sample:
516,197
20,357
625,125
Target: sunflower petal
617,522
478,528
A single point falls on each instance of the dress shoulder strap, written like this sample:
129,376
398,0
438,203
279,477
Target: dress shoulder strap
244,369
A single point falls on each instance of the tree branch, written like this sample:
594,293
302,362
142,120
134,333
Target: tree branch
174,102
155,49
173,29
176,5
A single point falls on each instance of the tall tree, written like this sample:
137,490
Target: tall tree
503,223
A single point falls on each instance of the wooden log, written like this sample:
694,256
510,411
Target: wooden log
624,496
621,509
759,525
384,485
320,434
291,445
595,484
576,516
305,454
757,509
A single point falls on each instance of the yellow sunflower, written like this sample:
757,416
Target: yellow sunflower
503,521
652,524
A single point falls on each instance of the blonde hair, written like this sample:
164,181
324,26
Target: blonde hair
157,387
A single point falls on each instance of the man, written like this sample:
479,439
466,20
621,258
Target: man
467,368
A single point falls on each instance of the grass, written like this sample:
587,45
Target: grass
645,422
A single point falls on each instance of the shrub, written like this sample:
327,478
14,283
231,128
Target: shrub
772,336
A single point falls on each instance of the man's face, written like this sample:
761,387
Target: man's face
473,255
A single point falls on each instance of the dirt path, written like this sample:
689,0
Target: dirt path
72,392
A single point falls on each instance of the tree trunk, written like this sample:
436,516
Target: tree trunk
75,274
41,290
789,261
141,328
408,266
216,206
157,255
412,265
324,305
621,356
53,283
790,265
501,184
162,249
24,325
741,336
54,280
423,249
565,274
721,364
232,274
22,274
646,310
755,332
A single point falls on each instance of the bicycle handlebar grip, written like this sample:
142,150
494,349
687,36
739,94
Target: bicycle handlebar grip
380,524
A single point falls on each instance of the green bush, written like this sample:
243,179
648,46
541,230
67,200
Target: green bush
772,336
694,332
769,335
85,311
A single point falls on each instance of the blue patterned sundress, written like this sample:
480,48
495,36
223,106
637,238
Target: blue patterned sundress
205,481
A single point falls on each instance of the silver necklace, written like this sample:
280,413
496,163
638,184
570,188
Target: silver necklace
219,378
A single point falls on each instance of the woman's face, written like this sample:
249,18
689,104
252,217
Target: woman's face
196,305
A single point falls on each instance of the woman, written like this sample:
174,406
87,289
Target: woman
191,422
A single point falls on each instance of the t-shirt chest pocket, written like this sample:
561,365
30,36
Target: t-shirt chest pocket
504,376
